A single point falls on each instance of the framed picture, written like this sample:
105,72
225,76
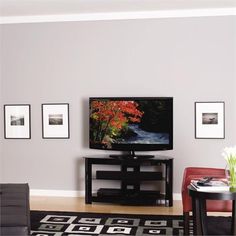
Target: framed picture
55,119
210,120
17,121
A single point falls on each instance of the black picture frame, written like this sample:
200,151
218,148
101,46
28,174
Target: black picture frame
210,120
17,121
55,121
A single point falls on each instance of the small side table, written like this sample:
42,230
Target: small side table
199,208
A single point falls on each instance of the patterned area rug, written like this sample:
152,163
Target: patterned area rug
92,224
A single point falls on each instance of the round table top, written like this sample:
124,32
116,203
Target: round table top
226,195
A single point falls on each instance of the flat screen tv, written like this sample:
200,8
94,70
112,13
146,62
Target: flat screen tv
131,123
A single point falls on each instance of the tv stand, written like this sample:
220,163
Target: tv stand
133,177
130,156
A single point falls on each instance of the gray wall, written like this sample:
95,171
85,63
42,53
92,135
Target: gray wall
191,59
1,107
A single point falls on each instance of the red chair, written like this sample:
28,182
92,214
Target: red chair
212,205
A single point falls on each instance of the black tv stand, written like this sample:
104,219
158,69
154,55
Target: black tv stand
131,156
131,180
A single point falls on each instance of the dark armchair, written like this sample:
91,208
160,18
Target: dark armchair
212,205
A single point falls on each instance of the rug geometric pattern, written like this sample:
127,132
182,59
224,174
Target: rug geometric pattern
92,224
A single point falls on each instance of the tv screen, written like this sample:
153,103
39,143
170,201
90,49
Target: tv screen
131,124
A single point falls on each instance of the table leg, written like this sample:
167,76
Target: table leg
233,226
203,216
169,183
88,182
197,229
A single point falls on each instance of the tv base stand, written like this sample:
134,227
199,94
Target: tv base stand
132,176
129,157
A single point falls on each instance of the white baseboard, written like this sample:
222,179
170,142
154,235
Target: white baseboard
56,193
69,193
177,196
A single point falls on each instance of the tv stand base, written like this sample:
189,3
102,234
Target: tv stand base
131,156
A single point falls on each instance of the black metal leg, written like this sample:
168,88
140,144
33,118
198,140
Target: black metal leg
197,229
233,229
137,185
186,223
88,182
203,215
123,183
169,183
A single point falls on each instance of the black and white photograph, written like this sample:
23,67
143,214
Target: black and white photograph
55,120
210,120
17,121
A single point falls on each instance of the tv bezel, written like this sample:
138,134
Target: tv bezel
136,147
